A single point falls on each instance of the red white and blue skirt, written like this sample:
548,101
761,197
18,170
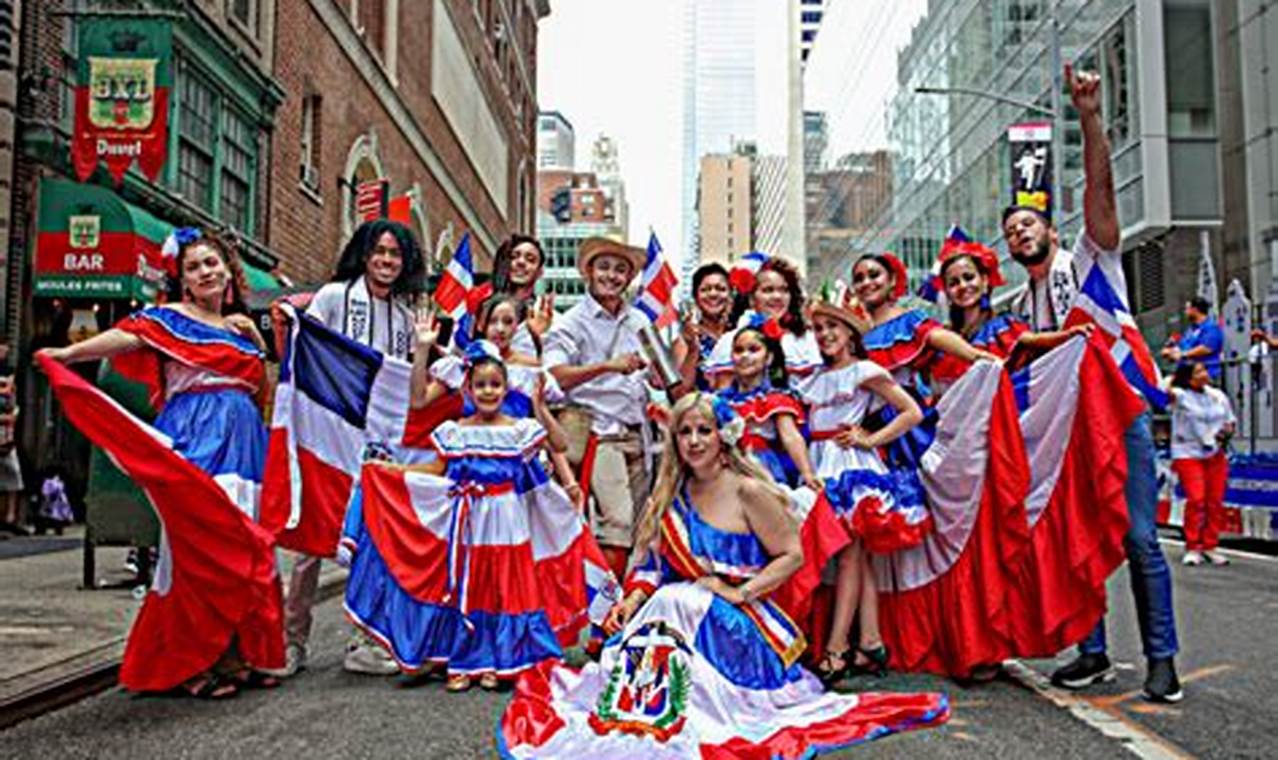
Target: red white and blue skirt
487,570
760,408
692,675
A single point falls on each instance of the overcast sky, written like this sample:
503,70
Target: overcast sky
616,67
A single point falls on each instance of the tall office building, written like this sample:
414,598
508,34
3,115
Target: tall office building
718,97
770,176
811,12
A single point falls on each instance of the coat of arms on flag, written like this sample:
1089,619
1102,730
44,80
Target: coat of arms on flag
647,692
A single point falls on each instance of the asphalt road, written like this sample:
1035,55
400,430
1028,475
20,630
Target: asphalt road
1228,632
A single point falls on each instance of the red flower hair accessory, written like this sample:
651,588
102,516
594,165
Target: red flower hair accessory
770,328
983,255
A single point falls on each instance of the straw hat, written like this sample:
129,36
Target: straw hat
597,246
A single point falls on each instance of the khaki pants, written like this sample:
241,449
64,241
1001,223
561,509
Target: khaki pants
619,484
302,587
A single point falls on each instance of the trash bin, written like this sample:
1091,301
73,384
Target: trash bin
117,513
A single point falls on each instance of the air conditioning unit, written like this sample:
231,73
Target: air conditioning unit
310,175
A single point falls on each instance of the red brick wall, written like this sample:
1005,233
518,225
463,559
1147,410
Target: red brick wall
307,234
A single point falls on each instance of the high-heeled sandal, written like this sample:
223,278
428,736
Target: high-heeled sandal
826,669
457,683
875,665
489,682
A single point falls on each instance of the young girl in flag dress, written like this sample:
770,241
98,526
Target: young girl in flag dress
857,482
209,619
486,570
773,415
703,662
501,320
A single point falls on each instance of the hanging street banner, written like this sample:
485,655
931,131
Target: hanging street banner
124,77
1031,150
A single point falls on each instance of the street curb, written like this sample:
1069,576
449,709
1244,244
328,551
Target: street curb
54,686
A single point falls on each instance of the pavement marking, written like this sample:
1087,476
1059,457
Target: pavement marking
1239,553
1108,720
1196,675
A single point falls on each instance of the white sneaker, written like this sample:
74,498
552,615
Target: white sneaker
294,660
1216,558
1192,558
369,659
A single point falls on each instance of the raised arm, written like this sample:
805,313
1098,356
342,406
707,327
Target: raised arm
1100,209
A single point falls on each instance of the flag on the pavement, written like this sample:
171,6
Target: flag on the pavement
334,397
215,582
657,287
458,296
1098,302
1075,408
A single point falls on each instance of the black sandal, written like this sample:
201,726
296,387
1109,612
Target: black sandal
208,687
254,679
875,665
825,669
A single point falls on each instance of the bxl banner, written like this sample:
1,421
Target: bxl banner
125,73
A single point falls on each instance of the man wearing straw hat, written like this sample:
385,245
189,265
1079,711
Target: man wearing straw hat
594,353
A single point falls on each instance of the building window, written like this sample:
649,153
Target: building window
239,158
810,17
370,20
245,13
196,143
312,109
67,70
216,167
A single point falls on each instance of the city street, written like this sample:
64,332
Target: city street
1227,622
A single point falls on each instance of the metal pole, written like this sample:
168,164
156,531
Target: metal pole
1058,116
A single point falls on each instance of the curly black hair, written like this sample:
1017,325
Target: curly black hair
353,262
792,321
501,260
226,250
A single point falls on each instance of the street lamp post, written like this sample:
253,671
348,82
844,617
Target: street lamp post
1056,112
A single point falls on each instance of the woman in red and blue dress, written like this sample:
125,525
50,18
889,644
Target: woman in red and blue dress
968,273
704,660
774,416
904,342
203,362
771,292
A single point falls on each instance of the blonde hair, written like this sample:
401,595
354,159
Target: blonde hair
672,473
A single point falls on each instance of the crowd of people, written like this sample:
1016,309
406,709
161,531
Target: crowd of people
804,503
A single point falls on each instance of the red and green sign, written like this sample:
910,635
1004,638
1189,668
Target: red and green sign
93,244
125,73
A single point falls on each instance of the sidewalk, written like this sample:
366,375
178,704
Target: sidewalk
52,631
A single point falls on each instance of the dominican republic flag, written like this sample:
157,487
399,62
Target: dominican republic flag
1075,406
656,287
946,604
458,296
215,581
334,397
1098,302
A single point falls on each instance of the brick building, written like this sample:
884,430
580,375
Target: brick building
435,97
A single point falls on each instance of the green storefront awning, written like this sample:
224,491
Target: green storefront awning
91,243
260,281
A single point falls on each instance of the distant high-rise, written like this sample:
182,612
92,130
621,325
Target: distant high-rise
725,206
718,95
605,162
556,141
